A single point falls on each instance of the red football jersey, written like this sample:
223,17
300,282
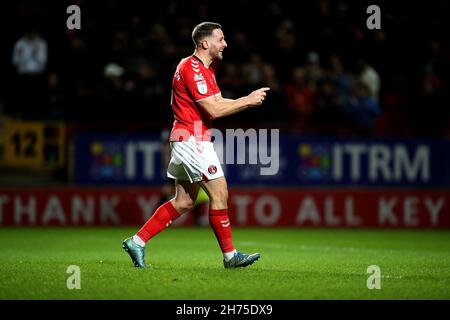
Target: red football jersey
192,82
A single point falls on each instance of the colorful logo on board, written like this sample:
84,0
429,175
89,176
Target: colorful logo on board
315,162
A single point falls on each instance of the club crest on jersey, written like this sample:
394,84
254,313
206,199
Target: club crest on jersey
212,169
202,87
198,77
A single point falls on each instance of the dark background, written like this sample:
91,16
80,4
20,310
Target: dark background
268,41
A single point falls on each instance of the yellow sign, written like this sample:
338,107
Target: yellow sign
24,144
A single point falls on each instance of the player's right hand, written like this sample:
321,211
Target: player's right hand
257,97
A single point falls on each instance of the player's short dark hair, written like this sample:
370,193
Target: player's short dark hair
204,29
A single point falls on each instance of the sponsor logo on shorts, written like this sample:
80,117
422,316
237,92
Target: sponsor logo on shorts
212,169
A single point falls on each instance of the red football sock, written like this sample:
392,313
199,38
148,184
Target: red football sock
160,220
222,228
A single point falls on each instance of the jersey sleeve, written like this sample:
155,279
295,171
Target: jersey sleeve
197,84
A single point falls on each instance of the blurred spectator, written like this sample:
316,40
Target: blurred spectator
231,80
112,93
329,116
30,54
343,81
286,48
300,100
275,113
240,49
314,71
430,106
56,98
29,58
370,77
147,91
113,73
253,71
363,109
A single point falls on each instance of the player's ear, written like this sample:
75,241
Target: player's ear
205,44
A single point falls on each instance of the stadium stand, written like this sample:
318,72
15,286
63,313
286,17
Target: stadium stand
329,74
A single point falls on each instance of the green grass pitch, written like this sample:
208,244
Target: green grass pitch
186,263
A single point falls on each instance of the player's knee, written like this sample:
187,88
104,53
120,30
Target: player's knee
220,196
184,205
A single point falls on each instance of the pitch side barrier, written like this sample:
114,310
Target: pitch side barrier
249,207
268,158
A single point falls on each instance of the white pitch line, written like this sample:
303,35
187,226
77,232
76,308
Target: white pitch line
328,249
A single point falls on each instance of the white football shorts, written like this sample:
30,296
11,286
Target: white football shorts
194,161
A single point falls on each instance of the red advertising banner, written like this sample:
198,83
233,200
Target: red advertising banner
347,208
